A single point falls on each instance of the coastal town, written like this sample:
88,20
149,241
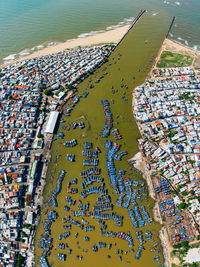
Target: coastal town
32,94
38,96
167,110
99,133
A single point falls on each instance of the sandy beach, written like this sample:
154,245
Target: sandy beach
177,48
112,36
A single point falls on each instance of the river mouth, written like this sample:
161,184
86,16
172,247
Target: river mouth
127,67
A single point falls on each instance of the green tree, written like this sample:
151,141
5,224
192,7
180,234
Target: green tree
192,192
182,205
70,87
20,260
43,86
184,193
177,245
185,244
47,92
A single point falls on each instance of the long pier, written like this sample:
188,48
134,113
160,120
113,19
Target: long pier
170,27
131,26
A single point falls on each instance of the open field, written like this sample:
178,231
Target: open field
169,59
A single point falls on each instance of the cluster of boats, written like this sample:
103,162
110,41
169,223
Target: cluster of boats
148,235
139,236
60,135
167,204
112,150
102,208
120,155
62,257
46,240
90,162
164,187
93,190
90,171
126,237
116,134
63,245
64,235
70,157
109,120
90,180
70,201
59,183
71,104
88,145
90,153
79,124
82,206
103,199
148,220
102,211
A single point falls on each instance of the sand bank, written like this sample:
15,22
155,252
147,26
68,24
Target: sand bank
178,48
112,36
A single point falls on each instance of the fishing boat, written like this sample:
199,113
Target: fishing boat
61,256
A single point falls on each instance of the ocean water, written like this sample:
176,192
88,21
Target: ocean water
27,26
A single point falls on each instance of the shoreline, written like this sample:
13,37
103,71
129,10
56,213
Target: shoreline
141,164
106,37
111,36
141,161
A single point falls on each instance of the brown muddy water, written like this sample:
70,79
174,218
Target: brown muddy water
132,58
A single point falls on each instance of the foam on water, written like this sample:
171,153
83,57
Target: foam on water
172,3
23,53
166,2
186,42
82,35
126,21
10,57
39,47
181,41
154,14
52,43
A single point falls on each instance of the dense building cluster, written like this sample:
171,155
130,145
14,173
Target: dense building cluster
24,142
167,111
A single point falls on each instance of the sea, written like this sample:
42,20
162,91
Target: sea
28,26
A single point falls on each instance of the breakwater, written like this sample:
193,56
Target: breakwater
170,27
136,19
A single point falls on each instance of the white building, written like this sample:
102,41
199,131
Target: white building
52,122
